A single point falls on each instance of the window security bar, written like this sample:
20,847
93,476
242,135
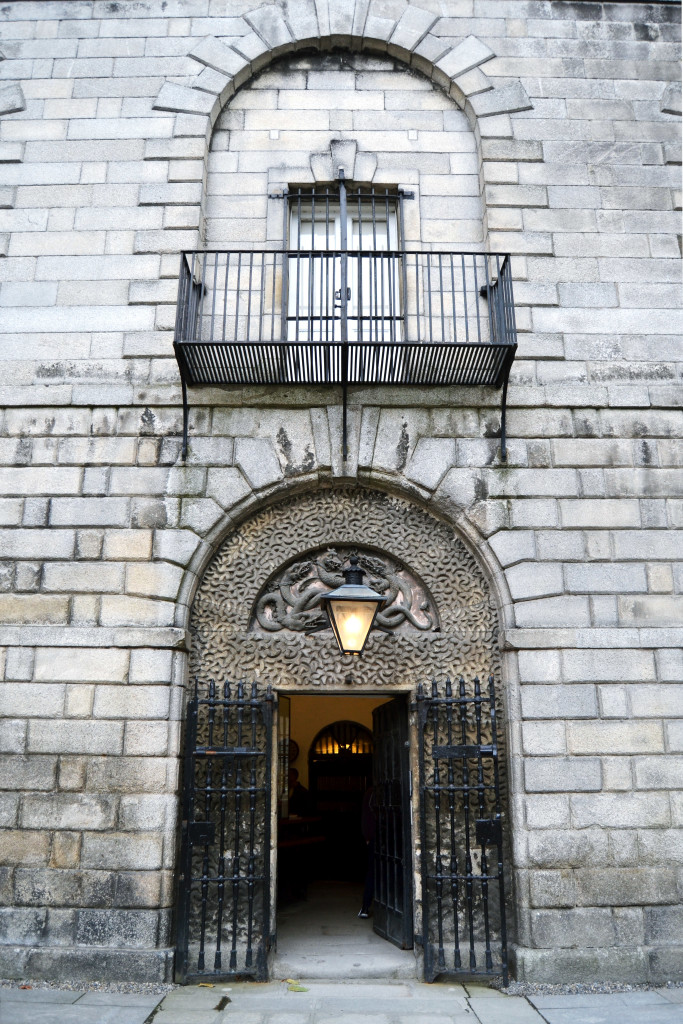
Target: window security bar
344,317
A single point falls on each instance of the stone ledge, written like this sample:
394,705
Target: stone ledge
549,637
95,636
624,964
92,963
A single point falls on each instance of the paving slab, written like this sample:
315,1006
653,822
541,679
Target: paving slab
65,1013
672,995
615,1013
508,1010
607,1000
147,1002
38,995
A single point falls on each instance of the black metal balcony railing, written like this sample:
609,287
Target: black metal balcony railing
339,317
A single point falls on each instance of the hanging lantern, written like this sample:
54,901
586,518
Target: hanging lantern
352,609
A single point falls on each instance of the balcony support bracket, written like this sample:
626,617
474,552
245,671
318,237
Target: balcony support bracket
186,416
503,413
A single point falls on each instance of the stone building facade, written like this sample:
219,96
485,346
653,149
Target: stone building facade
131,131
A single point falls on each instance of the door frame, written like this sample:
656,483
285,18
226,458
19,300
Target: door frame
407,693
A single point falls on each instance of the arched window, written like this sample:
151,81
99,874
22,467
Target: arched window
341,739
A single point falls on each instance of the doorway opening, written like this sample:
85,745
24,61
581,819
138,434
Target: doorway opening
344,849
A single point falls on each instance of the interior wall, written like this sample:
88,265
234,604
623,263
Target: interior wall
311,713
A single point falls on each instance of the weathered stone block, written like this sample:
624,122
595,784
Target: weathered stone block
544,738
22,927
52,887
122,851
534,579
66,850
11,99
658,772
128,774
75,737
431,460
30,700
570,928
138,889
411,28
136,929
614,737
68,811
29,773
147,813
553,611
503,100
625,966
149,665
80,664
562,774
21,847
131,702
271,27
155,580
545,811
90,964
178,98
12,736
621,810
552,888
216,55
626,886
257,459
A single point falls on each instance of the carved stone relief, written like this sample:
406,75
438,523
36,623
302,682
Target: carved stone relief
258,595
292,600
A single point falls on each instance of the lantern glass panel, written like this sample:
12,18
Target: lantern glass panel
353,620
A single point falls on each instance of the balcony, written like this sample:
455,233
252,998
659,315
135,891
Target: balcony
347,318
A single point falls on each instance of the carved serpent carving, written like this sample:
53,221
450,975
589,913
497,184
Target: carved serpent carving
292,600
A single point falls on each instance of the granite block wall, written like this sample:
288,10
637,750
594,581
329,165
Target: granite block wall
127,133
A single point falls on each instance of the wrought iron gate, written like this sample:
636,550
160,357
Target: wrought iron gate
393,905
463,889
224,890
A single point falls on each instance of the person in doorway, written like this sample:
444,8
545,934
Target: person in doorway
368,826
299,800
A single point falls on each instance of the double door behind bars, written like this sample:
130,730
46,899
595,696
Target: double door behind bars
226,916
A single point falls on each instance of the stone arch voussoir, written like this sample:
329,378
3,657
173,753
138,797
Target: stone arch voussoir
270,32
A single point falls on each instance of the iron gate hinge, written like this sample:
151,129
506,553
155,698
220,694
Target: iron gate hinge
488,831
199,832
467,750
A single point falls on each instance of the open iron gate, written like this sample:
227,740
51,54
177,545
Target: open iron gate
393,903
224,887
463,888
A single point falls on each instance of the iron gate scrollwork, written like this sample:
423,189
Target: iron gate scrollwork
224,899
463,886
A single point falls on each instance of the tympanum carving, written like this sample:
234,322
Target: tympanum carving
291,601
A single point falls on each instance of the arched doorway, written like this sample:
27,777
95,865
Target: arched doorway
252,620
